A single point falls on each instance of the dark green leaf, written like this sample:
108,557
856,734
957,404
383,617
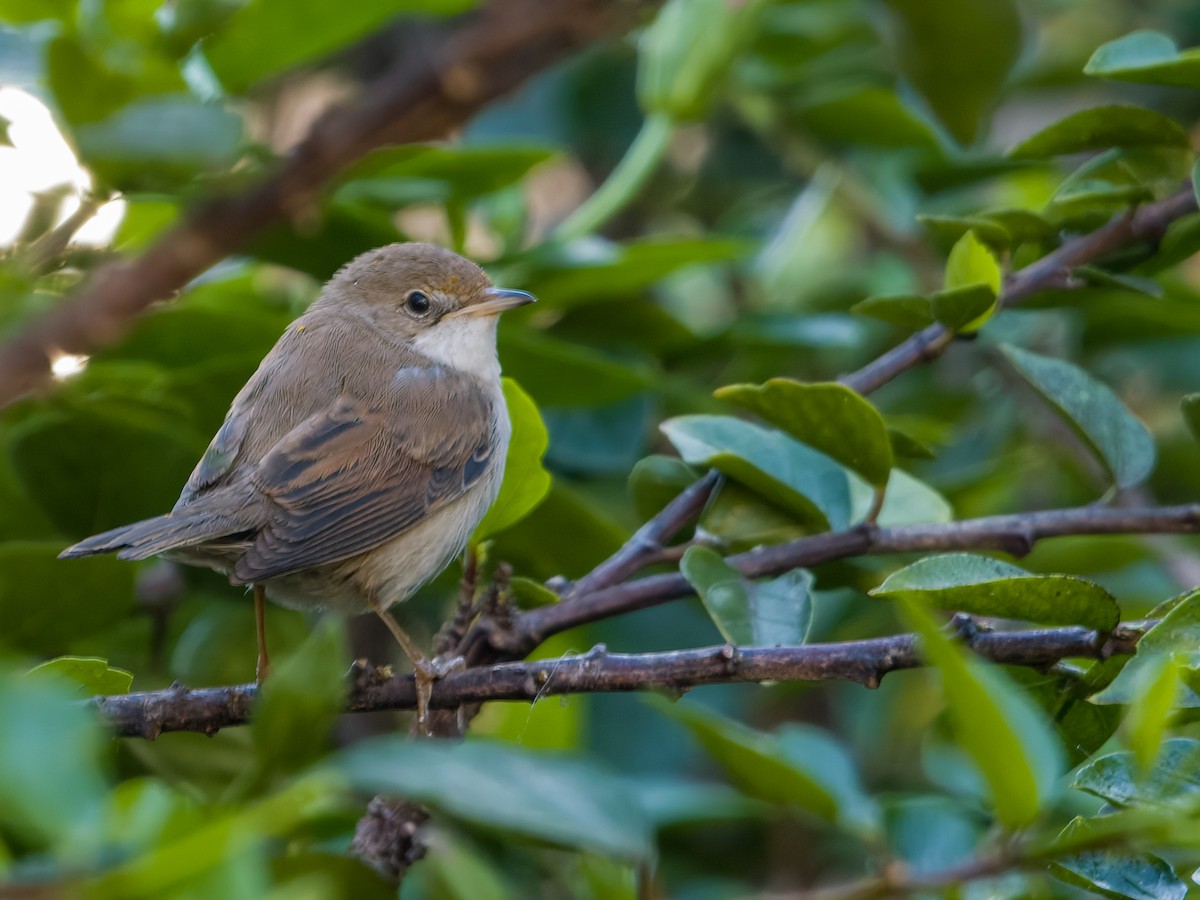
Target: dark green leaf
269,36
1190,407
783,470
998,726
911,311
561,373
1114,874
1146,57
1100,128
989,587
829,417
526,481
556,799
965,308
1118,438
88,674
958,55
875,116
767,613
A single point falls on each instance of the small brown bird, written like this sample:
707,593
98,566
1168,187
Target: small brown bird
356,462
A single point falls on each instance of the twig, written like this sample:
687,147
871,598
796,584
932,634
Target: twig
1015,534
509,41
1148,224
865,662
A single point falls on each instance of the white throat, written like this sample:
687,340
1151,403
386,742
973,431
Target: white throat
465,343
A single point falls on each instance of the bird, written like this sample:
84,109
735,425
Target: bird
355,463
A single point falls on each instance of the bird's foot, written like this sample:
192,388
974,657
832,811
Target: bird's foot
427,673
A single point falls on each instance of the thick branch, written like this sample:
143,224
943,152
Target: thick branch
866,662
509,41
1014,534
1148,225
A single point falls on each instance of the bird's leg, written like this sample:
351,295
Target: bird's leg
260,623
426,672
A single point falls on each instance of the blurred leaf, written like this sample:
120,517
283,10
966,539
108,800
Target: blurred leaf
456,872
829,417
988,587
600,440
785,471
972,263
911,311
1119,779
773,612
20,11
958,55
874,116
301,31
423,173
559,800
801,767
560,373
87,89
930,833
158,141
1190,407
52,786
656,480
1100,128
1178,632
88,674
1146,57
526,481
997,725
47,603
5,140
1146,723
531,594
956,308
1121,442
298,703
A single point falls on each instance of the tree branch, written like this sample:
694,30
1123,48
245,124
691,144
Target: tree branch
507,42
1146,224
1015,534
866,662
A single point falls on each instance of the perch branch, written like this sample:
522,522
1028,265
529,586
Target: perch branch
505,44
1147,224
866,662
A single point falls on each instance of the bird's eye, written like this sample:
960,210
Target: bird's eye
418,303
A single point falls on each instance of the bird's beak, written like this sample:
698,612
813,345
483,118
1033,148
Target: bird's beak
496,301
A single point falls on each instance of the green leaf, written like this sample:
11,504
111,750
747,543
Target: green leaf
1119,779
971,264
911,311
267,37
21,11
908,501
89,674
1190,407
767,613
560,800
299,702
422,173
529,593
788,473
999,727
1119,439
959,309
526,481
5,140
829,417
1145,725
871,116
657,480
988,587
958,54
1113,873
1146,57
157,141
801,767
1100,128
1177,632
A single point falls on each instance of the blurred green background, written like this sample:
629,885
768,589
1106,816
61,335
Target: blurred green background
797,158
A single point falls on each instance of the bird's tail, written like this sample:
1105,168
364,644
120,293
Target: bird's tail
158,535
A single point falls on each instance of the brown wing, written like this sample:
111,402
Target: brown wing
357,474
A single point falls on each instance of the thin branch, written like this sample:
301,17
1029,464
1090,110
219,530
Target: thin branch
1015,534
1148,224
507,42
866,662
